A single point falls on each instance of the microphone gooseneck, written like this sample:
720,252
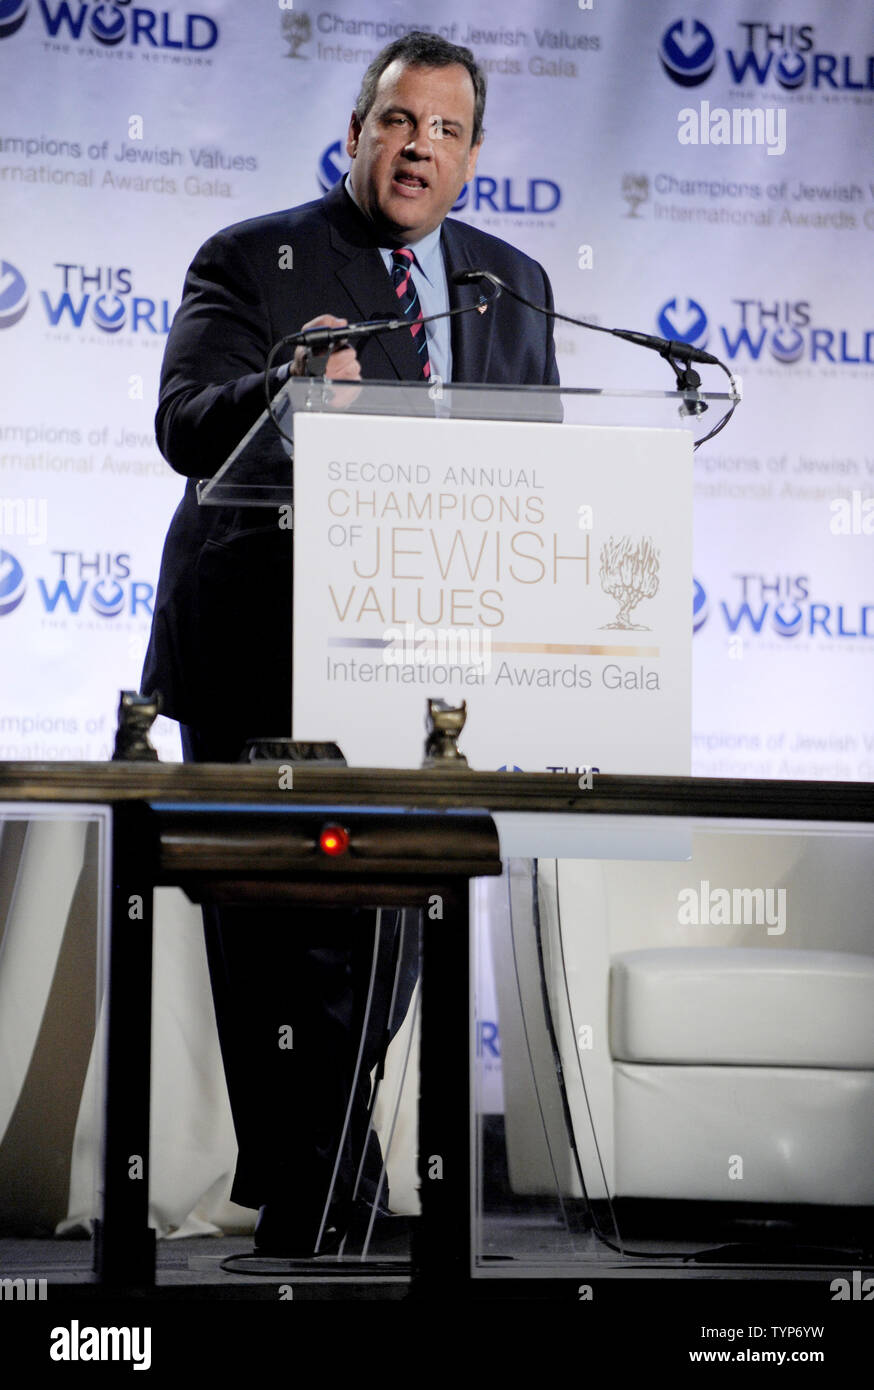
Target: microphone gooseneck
674,352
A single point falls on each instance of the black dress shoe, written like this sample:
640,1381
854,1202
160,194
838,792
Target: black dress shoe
389,1235
278,1232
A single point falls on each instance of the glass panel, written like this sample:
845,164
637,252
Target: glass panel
535,1203
686,1052
385,1196
258,471
54,892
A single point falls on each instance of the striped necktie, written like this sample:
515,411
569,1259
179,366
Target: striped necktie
402,280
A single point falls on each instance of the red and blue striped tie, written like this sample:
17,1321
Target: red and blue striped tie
402,280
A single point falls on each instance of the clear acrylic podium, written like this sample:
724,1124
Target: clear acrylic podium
257,471
522,570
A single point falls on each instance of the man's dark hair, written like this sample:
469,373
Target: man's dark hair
420,50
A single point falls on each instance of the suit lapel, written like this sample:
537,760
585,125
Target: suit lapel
471,332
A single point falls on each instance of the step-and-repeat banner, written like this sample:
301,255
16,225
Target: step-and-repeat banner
698,170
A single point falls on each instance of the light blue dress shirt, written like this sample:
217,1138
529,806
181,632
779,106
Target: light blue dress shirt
429,277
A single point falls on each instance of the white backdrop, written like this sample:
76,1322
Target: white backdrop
129,135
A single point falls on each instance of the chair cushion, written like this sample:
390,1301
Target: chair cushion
792,1134
743,1006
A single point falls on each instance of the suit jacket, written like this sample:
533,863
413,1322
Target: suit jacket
220,648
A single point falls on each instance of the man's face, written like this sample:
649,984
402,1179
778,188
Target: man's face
412,155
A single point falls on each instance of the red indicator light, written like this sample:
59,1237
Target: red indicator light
334,840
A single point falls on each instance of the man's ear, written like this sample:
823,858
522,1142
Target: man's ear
353,135
471,161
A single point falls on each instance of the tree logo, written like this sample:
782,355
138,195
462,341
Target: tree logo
629,573
297,29
635,190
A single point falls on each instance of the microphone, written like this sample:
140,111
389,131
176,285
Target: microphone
673,351
323,341
323,338
667,347
467,277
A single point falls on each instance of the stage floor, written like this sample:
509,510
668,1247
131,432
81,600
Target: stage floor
535,1247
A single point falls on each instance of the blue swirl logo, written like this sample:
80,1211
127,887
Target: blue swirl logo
13,13
791,70
107,24
688,324
12,583
688,52
14,298
108,312
789,626
700,607
333,166
787,351
107,598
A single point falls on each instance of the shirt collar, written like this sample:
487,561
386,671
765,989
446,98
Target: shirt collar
426,251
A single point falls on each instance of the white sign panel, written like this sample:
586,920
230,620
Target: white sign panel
541,572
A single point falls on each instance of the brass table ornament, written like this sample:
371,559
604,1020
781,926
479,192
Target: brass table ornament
136,715
444,723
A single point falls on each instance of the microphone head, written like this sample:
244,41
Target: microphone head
469,277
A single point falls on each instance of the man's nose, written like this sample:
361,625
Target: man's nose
421,144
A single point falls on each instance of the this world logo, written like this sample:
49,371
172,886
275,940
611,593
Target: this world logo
73,589
770,51
795,336
688,52
781,607
111,24
12,583
102,295
14,298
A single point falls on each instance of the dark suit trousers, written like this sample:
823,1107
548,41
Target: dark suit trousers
307,970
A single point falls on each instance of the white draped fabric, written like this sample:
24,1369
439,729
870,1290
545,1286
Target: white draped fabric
50,1065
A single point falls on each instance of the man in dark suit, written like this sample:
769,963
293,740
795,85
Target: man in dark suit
220,651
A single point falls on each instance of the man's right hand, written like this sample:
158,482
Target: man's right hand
342,364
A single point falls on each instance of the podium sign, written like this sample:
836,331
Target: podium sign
541,571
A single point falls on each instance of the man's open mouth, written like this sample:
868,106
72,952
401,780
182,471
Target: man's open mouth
410,181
